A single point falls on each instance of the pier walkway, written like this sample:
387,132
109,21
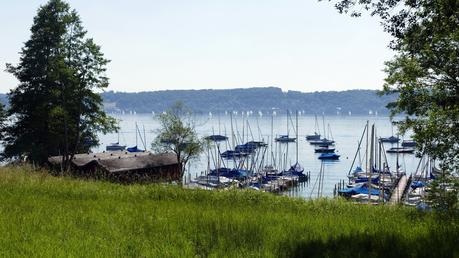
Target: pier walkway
397,194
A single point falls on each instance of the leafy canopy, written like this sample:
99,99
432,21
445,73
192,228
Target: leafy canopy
177,134
56,109
425,70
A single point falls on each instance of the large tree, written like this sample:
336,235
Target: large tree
56,108
177,135
424,71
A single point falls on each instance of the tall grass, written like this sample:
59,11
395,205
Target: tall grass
42,215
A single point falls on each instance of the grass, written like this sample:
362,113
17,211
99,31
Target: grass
42,215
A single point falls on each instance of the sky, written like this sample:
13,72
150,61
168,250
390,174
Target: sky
301,45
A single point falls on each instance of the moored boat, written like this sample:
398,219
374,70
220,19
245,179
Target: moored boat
324,149
329,156
408,143
391,139
216,138
400,150
285,138
115,147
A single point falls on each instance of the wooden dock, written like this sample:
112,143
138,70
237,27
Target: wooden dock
399,190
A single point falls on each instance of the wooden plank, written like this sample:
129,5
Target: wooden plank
397,194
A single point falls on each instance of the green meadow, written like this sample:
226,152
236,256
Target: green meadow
47,216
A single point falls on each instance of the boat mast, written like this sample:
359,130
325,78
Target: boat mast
272,133
372,146
297,137
316,125
144,137
232,129
323,121
366,158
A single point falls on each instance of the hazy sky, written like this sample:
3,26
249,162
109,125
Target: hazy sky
301,45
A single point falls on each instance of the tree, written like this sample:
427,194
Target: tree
425,71
443,195
177,134
55,109
425,74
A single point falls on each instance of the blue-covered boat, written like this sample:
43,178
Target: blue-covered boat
363,189
392,139
134,149
246,148
296,170
408,143
329,156
230,173
324,149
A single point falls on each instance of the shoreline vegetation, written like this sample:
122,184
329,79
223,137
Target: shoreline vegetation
44,215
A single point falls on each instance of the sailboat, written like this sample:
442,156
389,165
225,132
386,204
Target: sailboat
324,141
116,146
296,169
391,139
286,138
372,184
316,135
135,148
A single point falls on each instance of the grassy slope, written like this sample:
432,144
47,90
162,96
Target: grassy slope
41,215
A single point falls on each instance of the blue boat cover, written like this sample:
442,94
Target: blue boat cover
417,184
230,173
358,190
134,149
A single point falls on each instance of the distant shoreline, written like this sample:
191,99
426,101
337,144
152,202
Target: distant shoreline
265,100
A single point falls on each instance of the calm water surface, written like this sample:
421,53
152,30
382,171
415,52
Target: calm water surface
346,131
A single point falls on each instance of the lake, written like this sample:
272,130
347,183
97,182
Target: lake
346,131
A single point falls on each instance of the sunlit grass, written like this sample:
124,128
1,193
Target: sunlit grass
42,215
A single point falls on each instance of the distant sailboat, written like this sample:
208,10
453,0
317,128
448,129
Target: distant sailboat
286,138
135,148
316,135
116,146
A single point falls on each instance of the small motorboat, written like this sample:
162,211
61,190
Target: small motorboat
324,149
313,137
329,156
322,142
400,150
232,154
285,138
391,139
408,143
216,138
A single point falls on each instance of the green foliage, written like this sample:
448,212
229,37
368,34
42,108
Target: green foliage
49,216
177,134
55,109
424,72
443,195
